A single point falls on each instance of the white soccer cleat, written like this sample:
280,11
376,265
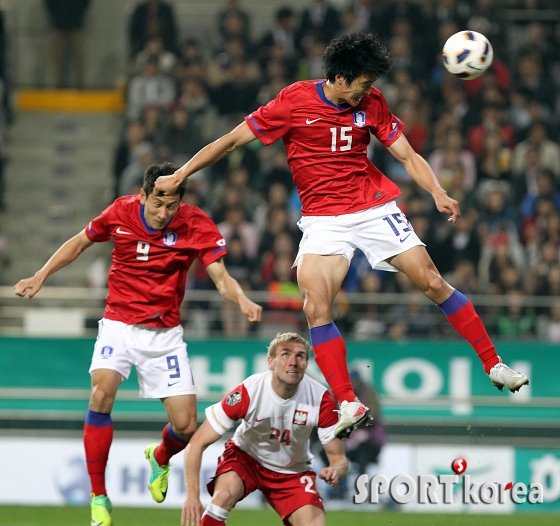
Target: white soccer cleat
504,376
352,415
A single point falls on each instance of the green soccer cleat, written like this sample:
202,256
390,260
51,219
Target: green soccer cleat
101,509
159,475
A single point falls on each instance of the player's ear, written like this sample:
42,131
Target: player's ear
143,196
270,362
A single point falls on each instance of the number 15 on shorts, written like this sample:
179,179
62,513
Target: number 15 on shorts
399,225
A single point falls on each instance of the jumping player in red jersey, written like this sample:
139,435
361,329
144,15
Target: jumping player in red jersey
348,203
270,448
156,239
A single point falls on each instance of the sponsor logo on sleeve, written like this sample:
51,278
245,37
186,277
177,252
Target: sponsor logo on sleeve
233,398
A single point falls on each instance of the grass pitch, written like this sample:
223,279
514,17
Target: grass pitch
79,516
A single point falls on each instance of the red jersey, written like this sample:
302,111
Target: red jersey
149,267
327,146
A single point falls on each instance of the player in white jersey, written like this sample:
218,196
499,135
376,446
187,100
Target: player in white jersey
270,448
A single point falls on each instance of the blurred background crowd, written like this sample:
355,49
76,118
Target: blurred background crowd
492,142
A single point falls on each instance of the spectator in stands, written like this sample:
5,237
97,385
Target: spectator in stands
67,19
234,21
149,19
493,120
368,322
134,134
191,63
282,34
443,159
194,97
143,156
495,158
276,80
240,268
548,150
531,77
380,23
238,94
515,321
278,220
464,276
150,87
220,68
277,196
283,289
319,22
414,126
180,138
154,118
457,244
235,223
154,49
546,188
282,246
276,171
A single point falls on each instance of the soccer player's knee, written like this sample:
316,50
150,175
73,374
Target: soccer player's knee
224,498
186,428
101,397
435,283
314,308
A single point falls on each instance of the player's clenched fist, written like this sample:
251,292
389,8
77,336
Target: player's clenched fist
167,184
28,286
329,475
250,309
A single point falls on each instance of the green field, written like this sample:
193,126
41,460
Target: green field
79,516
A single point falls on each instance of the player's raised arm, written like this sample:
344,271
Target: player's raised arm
192,508
67,253
338,463
210,154
230,289
420,171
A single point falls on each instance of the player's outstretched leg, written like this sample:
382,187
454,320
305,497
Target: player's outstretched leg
159,455
330,356
463,318
101,509
159,475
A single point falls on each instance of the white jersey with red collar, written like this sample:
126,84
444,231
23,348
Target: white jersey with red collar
275,431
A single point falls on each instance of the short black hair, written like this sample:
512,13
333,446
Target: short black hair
354,55
157,170
284,12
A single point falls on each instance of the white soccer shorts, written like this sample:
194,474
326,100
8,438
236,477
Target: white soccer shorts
159,354
379,232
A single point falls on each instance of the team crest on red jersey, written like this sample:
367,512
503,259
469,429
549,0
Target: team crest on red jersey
300,418
233,398
360,118
170,238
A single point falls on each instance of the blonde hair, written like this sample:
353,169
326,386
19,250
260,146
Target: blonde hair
287,337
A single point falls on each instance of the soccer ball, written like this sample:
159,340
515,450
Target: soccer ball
467,54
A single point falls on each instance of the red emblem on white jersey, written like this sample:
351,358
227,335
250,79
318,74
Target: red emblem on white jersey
300,418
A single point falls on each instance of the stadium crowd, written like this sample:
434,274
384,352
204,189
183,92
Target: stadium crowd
492,142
